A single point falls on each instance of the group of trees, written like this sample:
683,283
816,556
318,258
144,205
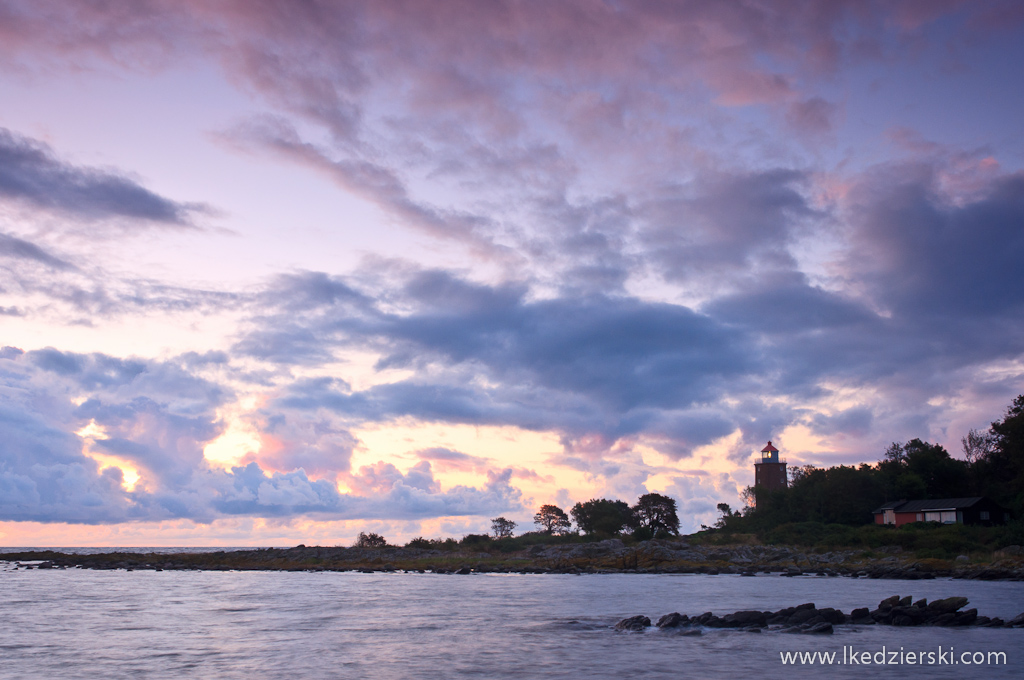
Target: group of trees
653,515
992,465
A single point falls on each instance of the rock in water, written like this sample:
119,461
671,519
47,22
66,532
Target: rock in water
948,605
634,623
823,628
673,620
746,618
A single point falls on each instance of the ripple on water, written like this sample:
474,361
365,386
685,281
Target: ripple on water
81,623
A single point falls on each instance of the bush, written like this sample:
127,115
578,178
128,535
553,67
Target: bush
470,540
370,540
421,543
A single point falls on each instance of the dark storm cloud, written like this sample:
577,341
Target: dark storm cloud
620,353
31,173
923,256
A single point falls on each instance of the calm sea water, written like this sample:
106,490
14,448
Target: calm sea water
178,624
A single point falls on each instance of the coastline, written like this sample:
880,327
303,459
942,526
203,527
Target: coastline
609,556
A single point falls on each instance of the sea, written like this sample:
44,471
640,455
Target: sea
79,623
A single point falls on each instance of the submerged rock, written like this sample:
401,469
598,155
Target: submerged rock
633,623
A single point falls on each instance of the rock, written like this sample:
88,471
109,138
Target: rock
464,571
966,618
833,616
905,602
948,605
889,602
801,607
633,623
882,616
1010,551
1016,621
962,558
673,620
861,616
802,616
746,618
923,602
823,628
690,632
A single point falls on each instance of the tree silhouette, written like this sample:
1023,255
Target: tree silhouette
370,541
657,514
553,520
502,528
602,516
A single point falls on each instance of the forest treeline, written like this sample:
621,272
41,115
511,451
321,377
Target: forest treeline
992,466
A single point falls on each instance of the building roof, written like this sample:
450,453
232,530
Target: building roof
936,504
769,448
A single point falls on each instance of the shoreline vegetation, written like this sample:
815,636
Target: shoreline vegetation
699,553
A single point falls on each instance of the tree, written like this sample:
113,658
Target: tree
553,520
1002,471
602,516
657,514
370,540
502,528
978,445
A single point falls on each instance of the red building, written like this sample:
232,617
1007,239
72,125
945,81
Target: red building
976,510
770,472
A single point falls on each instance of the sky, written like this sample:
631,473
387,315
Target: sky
274,273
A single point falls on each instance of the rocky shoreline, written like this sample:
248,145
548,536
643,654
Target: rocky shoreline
609,556
807,618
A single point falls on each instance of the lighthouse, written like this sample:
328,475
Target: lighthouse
770,472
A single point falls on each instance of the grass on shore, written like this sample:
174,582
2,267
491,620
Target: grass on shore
927,540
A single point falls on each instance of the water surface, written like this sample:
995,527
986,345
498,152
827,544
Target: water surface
181,624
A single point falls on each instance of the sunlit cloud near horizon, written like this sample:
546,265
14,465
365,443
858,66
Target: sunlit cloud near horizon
274,273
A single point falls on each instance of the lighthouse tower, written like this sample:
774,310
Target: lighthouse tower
770,472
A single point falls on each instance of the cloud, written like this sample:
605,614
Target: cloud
371,180
637,232
31,174
14,247
920,256
157,416
489,355
447,459
814,116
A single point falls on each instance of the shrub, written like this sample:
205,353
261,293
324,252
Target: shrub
370,540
